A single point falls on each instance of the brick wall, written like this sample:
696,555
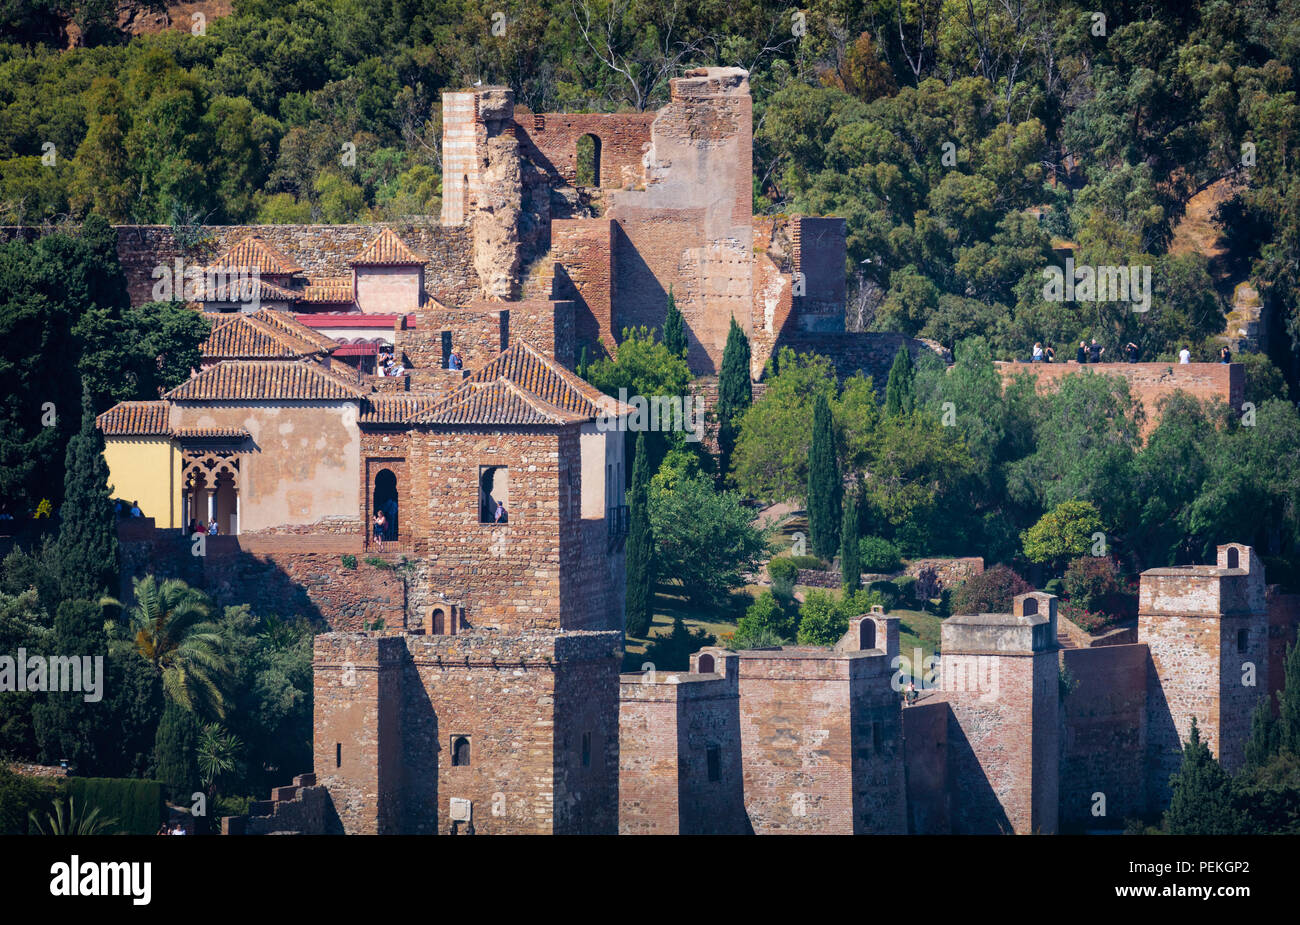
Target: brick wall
668,722
821,740
1148,383
582,254
925,757
1103,744
550,140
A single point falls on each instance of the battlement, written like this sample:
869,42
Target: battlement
1233,585
1030,629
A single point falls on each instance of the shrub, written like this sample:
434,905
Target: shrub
823,619
765,615
990,591
783,572
1055,586
887,591
349,560
20,795
905,585
1089,580
1087,620
377,562
809,562
137,805
672,651
878,554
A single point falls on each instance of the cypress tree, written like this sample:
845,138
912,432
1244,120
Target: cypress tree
850,563
87,547
1262,743
584,362
640,547
1288,719
674,328
735,394
65,725
174,756
824,485
900,390
1201,802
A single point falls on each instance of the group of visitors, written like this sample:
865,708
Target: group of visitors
196,526
121,510
388,364
173,829
1092,352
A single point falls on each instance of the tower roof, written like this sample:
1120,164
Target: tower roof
266,380
265,334
388,250
134,419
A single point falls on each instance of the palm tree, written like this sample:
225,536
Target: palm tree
169,627
217,751
75,823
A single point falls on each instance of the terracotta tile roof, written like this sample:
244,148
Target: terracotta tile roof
134,418
210,433
544,377
327,290
396,409
252,251
387,250
265,380
540,391
253,337
498,403
247,289
288,324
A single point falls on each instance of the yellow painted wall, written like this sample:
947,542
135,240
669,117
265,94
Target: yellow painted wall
147,470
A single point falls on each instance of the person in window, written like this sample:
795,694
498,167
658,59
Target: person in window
1081,355
212,527
500,516
381,525
454,361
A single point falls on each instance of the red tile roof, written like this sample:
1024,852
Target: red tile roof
266,380
134,419
252,251
388,250
210,433
498,403
396,409
242,336
542,391
288,324
246,289
350,320
327,290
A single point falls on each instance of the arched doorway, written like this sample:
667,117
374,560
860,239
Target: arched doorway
867,635
588,161
384,498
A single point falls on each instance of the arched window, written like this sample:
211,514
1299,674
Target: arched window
460,752
1234,559
1030,607
706,664
494,494
867,634
588,161
385,499
439,622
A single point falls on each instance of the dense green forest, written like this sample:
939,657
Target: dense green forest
963,140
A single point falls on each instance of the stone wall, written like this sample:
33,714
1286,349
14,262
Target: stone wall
822,744
925,758
582,259
1103,743
669,722
1149,383
550,140
321,250
1283,624
538,712
869,353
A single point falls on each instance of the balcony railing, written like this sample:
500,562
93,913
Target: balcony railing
617,521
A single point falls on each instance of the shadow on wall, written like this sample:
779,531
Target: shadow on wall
977,810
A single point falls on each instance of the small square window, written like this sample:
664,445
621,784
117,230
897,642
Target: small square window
1243,640
460,754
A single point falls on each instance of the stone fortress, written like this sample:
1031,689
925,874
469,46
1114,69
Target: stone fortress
469,679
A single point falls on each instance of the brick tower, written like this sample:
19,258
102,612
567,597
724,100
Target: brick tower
1206,627
1000,677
